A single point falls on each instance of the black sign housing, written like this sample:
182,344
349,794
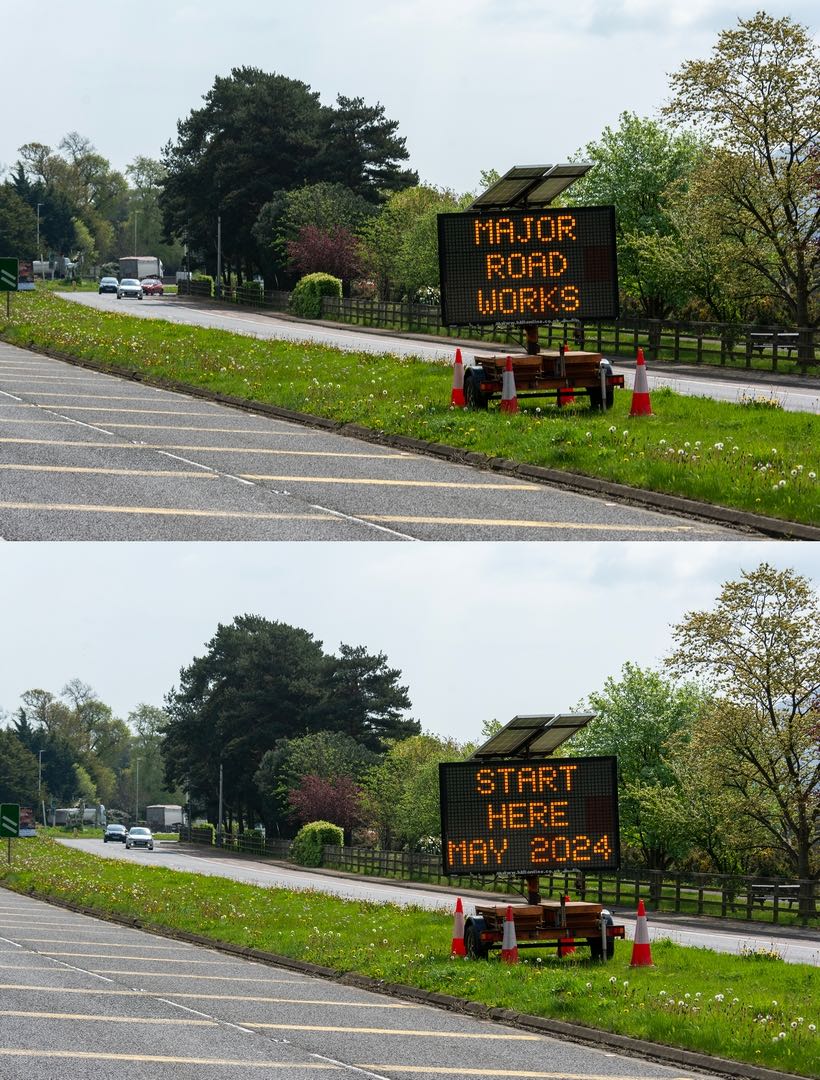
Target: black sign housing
528,266
523,816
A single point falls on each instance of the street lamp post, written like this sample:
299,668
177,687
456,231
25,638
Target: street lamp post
40,764
136,215
137,796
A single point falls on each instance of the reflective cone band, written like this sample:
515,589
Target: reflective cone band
457,394
566,396
509,401
641,953
509,945
640,392
457,947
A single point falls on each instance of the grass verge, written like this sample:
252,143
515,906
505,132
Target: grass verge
753,456
752,1008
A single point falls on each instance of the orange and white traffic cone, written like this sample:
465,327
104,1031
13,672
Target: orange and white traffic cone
509,944
509,400
457,394
641,953
457,947
640,393
566,396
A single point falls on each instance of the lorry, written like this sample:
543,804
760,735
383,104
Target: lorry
163,817
140,266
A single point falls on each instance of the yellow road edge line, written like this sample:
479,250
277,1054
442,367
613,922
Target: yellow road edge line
205,449
186,474
163,1059
163,511
390,1031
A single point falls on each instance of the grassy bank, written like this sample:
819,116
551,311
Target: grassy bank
752,1008
751,456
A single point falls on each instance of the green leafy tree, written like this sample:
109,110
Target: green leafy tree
757,98
642,718
637,168
362,150
364,699
759,648
18,771
18,224
328,755
401,793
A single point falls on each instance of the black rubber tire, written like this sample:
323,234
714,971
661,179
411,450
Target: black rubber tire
473,398
473,945
596,951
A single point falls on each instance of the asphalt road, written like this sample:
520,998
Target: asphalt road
788,392
793,946
89,456
85,999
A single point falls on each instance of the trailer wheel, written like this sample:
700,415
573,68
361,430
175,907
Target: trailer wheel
473,398
475,948
595,397
596,951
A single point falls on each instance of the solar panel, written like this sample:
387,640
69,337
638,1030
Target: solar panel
540,735
529,185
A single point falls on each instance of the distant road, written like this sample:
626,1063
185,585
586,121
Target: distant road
787,392
794,946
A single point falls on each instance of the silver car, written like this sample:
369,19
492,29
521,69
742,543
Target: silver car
129,287
140,837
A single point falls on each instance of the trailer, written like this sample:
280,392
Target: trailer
163,816
563,925
561,374
140,266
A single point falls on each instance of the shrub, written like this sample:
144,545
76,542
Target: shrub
306,298
306,849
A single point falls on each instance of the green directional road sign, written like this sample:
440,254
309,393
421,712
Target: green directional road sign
9,276
9,819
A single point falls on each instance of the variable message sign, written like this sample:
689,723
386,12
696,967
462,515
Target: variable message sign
528,816
528,266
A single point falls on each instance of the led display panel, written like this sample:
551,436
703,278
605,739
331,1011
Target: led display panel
528,816
528,266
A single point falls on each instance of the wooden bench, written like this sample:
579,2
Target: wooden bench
783,894
772,340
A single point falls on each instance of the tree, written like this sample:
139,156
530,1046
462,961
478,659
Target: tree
758,99
401,793
333,252
759,647
18,771
363,699
318,798
637,167
362,149
328,755
642,719
18,223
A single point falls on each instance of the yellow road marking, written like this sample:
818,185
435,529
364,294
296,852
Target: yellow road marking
207,449
279,1001
185,474
107,944
524,1074
108,1019
489,485
164,1059
396,519
501,1037
153,959
162,511
162,412
71,989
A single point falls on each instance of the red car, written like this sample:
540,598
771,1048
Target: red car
151,286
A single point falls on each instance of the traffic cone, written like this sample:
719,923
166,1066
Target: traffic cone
457,948
640,392
566,396
641,953
509,401
509,945
567,949
457,394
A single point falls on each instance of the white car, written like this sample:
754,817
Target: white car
129,287
139,837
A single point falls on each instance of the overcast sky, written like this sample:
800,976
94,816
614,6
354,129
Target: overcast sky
479,631
473,84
